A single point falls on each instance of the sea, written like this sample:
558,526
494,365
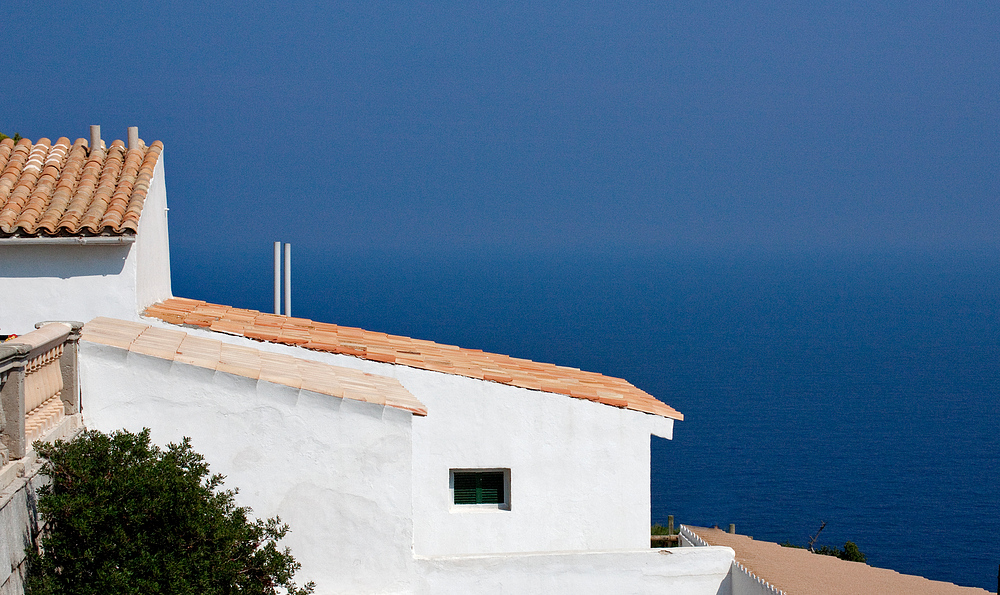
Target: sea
857,390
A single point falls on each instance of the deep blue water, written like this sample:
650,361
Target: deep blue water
857,390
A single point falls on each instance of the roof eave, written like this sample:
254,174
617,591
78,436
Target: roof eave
69,240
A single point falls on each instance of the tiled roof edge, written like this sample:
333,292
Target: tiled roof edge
65,189
318,377
424,355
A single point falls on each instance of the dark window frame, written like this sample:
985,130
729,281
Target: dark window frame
479,489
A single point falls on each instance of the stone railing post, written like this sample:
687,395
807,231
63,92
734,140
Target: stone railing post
68,366
13,358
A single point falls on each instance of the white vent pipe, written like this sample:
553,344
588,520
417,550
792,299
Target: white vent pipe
288,279
95,137
277,277
133,138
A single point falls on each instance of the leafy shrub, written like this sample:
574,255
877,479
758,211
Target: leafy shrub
122,516
852,553
849,552
825,550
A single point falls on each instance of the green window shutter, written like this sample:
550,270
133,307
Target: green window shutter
479,487
465,488
490,488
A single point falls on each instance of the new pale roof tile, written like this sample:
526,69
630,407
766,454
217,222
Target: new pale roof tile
290,371
204,353
69,189
795,571
425,355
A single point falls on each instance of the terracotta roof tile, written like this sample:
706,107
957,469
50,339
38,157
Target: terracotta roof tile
175,345
158,342
68,189
204,353
794,570
280,369
426,355
242,361
233,327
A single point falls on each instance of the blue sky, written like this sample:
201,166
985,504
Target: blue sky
535,126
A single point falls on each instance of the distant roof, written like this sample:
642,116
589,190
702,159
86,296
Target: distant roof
65,189
290,371
426,355
795,570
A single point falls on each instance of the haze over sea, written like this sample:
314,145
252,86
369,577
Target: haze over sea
857,390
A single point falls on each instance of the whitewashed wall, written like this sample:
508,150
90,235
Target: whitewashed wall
338,471
152,244
746,582
690,571
579,469
56,282
81,282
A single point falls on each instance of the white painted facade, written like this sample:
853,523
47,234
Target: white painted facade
152,245
365,487
80,281
345,474
336,470
686,571
579,469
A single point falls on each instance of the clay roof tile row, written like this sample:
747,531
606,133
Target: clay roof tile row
66,189
248,362
415,353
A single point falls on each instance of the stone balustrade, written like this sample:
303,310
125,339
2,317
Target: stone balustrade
38,385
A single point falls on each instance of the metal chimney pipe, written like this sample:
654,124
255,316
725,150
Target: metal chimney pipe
133,138
288,279
277,277
95,137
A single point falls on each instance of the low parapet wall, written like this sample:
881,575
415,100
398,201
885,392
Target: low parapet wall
742,580
689,538
693,571
748,583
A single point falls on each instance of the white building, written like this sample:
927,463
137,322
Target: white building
82,232
402,466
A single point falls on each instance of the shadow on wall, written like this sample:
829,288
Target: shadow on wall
62,261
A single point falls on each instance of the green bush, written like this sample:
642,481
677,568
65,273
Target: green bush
850,552
122,516
17,136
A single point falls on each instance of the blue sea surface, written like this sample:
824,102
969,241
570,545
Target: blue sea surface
857,390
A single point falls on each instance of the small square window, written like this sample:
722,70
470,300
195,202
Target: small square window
481,488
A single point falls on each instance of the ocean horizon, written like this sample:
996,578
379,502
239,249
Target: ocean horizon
856,390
